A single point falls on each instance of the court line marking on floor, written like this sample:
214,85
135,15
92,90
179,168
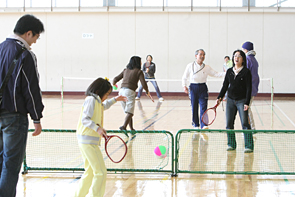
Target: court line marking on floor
284,114
273,111
280,165
159,118
154,113
258,114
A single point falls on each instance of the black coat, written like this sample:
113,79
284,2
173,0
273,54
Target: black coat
238,87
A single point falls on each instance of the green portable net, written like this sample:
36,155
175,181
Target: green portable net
59,150
206,152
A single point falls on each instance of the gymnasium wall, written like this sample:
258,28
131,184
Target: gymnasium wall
171,37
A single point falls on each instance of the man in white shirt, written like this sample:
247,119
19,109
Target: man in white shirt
197,73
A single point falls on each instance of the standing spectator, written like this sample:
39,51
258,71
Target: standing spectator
227,64
197,73
21,96
149,69
252,65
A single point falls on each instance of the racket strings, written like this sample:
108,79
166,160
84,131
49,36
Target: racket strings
209,117
116,149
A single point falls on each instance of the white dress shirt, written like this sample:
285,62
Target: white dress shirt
195,73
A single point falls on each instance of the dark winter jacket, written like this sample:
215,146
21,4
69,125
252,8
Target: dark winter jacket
238,87
22,93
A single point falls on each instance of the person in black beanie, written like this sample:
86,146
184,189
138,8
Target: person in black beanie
252,65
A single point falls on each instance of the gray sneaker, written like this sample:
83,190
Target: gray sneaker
229,148
248,150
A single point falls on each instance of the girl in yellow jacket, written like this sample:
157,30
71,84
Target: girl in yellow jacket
89,133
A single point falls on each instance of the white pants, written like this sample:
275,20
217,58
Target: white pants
129,105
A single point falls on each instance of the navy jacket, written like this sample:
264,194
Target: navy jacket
22,93
238,87
252,65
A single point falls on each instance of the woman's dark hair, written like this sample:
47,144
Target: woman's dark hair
149,56
135,62
100,87
28,23
243,56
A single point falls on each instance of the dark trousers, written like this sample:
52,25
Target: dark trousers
232,107
199,96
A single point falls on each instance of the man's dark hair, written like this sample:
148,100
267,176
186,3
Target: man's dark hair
227,57
100,87
135,62
28,23
243,56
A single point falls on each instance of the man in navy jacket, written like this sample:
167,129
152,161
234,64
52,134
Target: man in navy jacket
21,96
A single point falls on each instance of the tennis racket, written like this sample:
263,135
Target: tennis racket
209,115
147,65
115,148
149,95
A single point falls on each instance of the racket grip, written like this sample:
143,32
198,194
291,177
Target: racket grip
151,97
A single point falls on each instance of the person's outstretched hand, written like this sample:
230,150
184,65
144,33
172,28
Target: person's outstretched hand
121,98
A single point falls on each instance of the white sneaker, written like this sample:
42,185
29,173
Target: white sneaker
137,98
204,137
161,99
196,136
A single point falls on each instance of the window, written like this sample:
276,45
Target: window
65,3
38,3
177,3
91,3
266,3
286,3
232,3
12,3
207,3
145,3
149,3
124,3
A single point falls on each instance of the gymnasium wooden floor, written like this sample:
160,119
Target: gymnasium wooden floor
171,115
